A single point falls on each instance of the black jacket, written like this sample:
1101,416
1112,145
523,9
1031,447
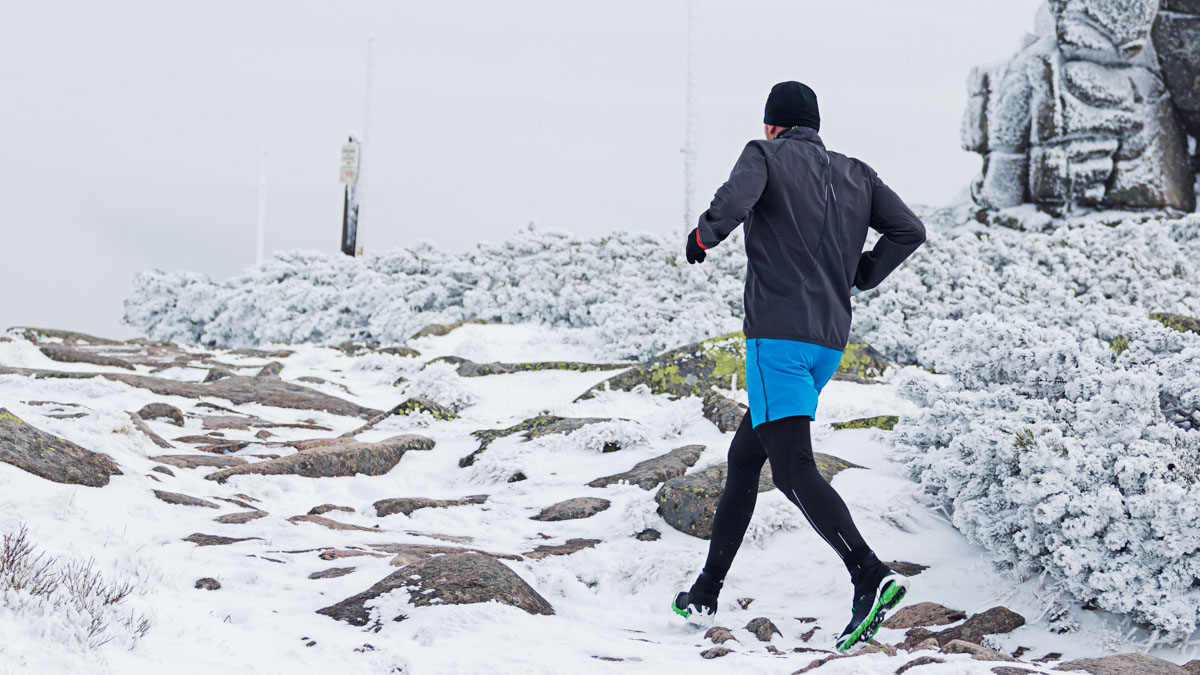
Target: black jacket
806,212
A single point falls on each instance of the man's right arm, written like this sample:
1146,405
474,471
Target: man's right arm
902,233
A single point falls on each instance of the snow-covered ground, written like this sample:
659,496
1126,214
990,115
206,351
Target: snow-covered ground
610,601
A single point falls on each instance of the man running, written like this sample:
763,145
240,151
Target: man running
806,212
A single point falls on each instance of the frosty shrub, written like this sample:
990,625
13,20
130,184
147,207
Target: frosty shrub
635,289
1066,437
70,592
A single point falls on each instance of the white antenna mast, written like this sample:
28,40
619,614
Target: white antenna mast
689,144
366,137
260,251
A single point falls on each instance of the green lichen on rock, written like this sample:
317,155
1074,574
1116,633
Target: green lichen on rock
1183,324
697,368
884,422
860,363
1119,344
687,371
418,404
50,457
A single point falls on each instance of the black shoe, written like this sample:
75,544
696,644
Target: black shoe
874,596
699,604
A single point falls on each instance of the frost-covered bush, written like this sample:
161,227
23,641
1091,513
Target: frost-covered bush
1056,453
635,289
67,597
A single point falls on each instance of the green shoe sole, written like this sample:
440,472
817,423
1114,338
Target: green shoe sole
894,590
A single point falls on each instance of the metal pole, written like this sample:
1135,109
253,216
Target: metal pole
689,144
262,208
361,186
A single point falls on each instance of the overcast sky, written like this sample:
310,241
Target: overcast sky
130,131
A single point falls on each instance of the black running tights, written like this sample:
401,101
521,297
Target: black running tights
788,446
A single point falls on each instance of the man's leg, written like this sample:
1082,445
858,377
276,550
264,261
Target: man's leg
734,508
789,446
876,588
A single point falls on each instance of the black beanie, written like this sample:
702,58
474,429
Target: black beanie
792,104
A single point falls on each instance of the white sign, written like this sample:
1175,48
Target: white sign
350,157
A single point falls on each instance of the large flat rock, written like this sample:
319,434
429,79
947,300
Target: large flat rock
689,502
51,457
651,473
372,459
452,579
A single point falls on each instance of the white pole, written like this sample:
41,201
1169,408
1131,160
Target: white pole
365,145
262,208
689,144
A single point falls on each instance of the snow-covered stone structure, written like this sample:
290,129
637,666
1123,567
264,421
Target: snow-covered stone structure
1082,115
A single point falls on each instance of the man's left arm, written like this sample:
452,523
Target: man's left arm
735,199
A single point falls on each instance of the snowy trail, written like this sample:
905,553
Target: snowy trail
611,601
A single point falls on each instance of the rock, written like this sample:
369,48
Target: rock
371,459
50,457
573,509
907,569
418,404
208,584
715,652
330,523
1082,116
919,661
688,502
217,374
240,518
719,635
1056,656
338,554
1012,670
467,368
407,554
183,500
406,505
440,329
649,534
807,635
267,391
215,540
1177,322
571,546
977,652
745,603
272,369
398,350
534,427
331,573
263,435
923,614
1176,36
724,412
454,579
650,473
263,354
884,422
141,426
326,508
161,411
197,461
762,628
927,644
517,477
1192,667
994,621
861,363
691,370
69,338
1123,664
163,469
822,661
67,354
